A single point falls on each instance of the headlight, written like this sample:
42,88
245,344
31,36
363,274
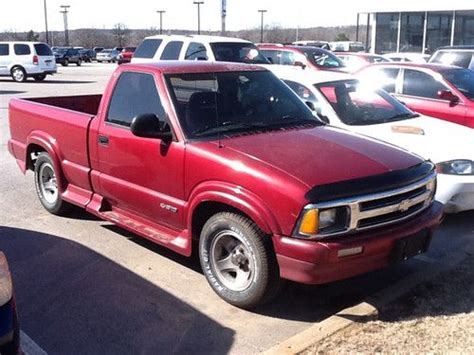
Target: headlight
314,221
6,288
456,167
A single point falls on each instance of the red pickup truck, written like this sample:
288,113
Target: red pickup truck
226,155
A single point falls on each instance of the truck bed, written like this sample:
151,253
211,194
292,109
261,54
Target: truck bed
59,123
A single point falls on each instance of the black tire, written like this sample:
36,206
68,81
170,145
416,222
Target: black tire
51,201
65,63
39,77
79,63
18,74
252,255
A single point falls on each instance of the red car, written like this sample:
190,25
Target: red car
357,60
440,91
126,55
303,56
227,156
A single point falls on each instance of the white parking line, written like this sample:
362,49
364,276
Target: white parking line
28,346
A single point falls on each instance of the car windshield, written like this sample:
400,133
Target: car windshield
229,103
238,52
462,79
106,51
323,58
358,104
60,50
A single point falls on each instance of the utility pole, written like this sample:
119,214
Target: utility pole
261,24
223,15
161,12
46,21
199,3
65,11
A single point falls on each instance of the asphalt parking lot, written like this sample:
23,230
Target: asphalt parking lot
86,286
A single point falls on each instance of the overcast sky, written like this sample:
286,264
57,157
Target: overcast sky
23,15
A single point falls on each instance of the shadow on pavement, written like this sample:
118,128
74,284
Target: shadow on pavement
48,81
73,300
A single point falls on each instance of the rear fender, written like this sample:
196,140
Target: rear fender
50,145
236,197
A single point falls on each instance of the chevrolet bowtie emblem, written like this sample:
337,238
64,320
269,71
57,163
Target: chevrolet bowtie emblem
404,205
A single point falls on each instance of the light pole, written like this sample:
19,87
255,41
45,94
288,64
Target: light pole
65,11
161,12
46,21
261,24
199,3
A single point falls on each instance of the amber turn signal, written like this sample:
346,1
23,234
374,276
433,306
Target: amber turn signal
310,223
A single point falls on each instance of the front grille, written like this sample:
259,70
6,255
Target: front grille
383,208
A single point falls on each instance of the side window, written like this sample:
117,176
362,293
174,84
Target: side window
134,94
196,51
172,50
21,49
148,48
416,83
389,79
272,56
287,58
4,50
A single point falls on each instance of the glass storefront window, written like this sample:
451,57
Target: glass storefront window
411,33
386,33
464,27
438,30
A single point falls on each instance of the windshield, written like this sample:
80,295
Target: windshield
230,103
462,79
323,59
238,52
60,50
357,104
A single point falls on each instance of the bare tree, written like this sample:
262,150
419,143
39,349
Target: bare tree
120,32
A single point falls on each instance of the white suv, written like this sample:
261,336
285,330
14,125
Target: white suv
197,47
21,60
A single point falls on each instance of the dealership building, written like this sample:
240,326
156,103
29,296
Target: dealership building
421,30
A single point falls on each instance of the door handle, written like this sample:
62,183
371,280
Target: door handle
103,140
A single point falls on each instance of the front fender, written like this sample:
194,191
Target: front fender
237,197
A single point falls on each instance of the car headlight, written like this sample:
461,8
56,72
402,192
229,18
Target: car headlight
6,287
316,222
456,167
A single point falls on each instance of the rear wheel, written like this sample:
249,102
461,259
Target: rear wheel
79,62
39,77
18,74
47,186
238,260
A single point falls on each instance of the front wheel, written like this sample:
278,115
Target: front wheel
79,62
47,186
238,260
65,63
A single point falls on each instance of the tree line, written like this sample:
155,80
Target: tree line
120,35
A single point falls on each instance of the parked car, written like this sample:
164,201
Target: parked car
9,325
107,55
318,44
98,49
409,57
197,47
302,56
22,60
65,55
357,106
87,55
227,155
460,56
357,60
347,46
126,55
435,90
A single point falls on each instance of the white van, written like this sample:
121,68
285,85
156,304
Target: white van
22,60
197,47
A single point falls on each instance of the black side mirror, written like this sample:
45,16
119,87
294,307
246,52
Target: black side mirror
310,105
448,96
299,64
148,125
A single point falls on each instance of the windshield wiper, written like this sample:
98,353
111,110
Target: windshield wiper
403,115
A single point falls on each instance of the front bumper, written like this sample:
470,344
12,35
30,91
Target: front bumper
317,262
456,192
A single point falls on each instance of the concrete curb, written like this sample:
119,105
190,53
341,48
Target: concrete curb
366,310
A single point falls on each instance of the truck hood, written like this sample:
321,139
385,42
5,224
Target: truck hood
431,138
321,155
